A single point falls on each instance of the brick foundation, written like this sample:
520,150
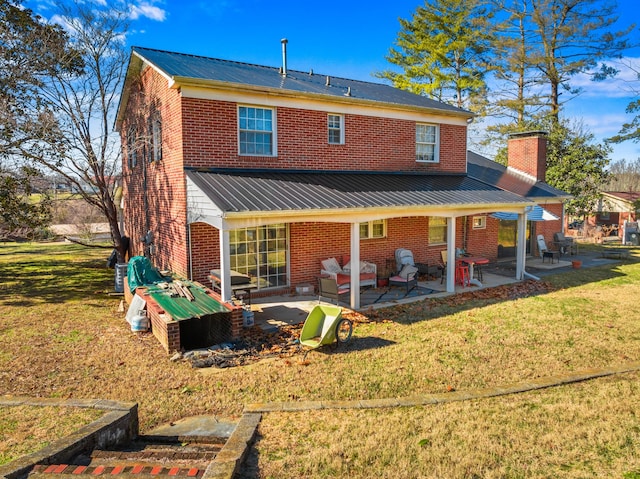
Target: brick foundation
167,330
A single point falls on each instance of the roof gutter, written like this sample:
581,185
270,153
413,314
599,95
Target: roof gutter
391,211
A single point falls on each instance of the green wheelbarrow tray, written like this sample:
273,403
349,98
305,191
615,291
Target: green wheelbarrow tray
324,325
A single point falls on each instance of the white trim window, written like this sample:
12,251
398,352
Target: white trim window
132,148
373,229
256,131
335,126
437,230
427,143
479,222
156,140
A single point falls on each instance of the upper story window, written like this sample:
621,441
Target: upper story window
132,148
335,124
255,126
373,229
156,140
427,143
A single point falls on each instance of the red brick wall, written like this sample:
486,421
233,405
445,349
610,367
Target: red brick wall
154,192
371,143
205,251
482,242
313,242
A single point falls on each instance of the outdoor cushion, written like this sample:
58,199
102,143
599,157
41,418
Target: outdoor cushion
364,267
331,265
346,278
408,271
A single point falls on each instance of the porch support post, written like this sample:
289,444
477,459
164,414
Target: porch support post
521,249
355,266
451,254
225,265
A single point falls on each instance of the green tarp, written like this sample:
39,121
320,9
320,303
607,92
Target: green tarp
141,273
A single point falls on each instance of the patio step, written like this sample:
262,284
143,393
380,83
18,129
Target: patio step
147,456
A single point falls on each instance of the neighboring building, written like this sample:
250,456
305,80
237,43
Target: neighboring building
614,209
267,171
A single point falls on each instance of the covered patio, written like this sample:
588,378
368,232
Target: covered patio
229,200
273,312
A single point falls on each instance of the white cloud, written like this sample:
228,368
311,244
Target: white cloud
625,84
604,125
147,10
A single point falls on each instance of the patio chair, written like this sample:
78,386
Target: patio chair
407,271
443,266
329,289
565,244
545,252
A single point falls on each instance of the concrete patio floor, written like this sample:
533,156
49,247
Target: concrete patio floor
276,311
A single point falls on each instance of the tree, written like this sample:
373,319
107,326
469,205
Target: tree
30,51
577,165
19,216
625,175
573,36
631,130
540,48
85,150
442,52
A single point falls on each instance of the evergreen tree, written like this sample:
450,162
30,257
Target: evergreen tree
442,52
573,36
577,165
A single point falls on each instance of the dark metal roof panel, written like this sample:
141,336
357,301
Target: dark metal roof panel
245,191
203,68
495,174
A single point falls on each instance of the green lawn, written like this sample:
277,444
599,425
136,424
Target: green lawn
61,335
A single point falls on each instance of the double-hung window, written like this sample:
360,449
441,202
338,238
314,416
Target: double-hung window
335,124
427,143
437,230
256,135
373,229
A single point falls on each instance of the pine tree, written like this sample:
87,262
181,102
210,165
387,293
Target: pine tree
442,52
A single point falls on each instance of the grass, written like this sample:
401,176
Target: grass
26,429
61,336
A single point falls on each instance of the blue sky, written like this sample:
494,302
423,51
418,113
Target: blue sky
347,39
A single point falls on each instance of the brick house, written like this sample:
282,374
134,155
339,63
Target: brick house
267,172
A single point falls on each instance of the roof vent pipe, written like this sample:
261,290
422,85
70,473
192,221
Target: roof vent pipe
284,42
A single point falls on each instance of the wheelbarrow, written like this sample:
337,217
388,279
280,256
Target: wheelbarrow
324,325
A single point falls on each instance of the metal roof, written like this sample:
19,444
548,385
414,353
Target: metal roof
180,66
247,191
495,174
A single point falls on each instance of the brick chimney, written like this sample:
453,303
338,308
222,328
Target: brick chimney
527,152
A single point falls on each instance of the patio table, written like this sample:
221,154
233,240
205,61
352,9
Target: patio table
472,261
241,284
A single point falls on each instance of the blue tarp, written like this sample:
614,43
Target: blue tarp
537,213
